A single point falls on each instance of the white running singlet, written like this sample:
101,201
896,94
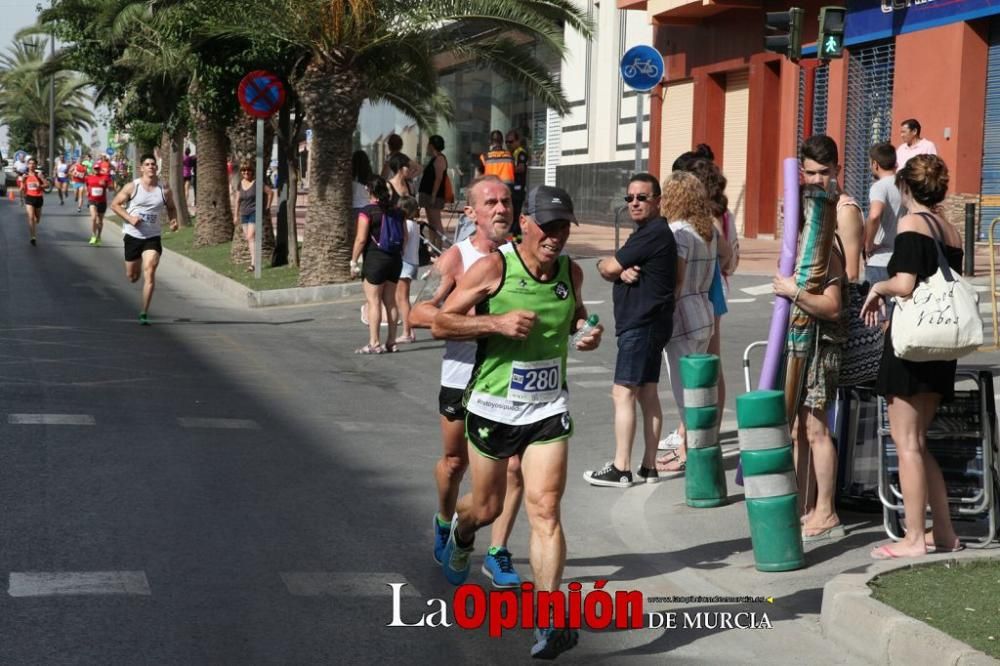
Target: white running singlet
151,206
460,355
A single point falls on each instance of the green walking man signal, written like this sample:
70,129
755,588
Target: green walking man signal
830,41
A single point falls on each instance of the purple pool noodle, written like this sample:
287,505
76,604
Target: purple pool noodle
786,266
782,305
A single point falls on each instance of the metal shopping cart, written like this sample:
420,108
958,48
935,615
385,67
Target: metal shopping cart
963,440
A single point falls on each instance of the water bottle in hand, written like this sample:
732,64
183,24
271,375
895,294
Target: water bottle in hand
431,281
584,330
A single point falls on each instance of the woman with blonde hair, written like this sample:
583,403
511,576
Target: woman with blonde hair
685,205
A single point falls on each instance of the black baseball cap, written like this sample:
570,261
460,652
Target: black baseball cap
549,204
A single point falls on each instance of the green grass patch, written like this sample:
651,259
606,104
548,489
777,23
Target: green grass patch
961,599
216,257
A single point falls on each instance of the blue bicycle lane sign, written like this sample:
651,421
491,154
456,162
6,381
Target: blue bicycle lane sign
642,68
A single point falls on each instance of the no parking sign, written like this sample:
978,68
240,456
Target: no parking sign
261,94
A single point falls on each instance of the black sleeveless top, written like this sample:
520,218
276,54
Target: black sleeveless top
427,179
916,253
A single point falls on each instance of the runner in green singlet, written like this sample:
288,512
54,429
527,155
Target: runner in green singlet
527,304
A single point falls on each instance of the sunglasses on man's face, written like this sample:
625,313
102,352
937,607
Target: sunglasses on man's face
641,198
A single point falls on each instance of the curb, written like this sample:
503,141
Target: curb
881,634
263,299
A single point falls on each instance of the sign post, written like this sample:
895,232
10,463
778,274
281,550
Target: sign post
260,94
642,69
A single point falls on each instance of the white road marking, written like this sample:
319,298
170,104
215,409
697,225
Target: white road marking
586,370
379,427
51,419
593,383
741,300
62,583
227,424
345,584
593,302
759,290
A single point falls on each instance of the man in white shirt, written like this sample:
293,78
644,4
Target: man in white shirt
909,131
885,207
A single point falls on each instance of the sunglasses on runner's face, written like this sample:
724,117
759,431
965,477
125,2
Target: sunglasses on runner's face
641,198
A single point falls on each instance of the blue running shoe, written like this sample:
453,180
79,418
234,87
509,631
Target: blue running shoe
440,538
498,568
455,560
550,643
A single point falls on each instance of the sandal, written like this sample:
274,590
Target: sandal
370,349
671,463
390,349
406,339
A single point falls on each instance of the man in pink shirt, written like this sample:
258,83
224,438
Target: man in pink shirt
909,131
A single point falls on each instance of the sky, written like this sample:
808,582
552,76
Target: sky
15,15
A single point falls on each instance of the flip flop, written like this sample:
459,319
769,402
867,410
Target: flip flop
956,547
883,553
406,339
369,349
835,532
667,456
672,466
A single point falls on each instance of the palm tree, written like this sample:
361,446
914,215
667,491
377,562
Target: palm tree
25,96
386,50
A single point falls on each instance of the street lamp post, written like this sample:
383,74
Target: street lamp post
52,113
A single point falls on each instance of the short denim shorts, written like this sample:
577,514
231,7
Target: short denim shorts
640,352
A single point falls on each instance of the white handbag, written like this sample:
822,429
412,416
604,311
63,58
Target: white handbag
940,320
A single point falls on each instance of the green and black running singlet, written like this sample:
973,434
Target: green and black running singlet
519,382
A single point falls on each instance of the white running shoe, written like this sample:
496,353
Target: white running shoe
670,442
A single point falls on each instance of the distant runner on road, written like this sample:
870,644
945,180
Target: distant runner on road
33,185
141,204
62,180
98,185
77,174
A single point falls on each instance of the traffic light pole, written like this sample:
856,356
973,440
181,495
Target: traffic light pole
809,69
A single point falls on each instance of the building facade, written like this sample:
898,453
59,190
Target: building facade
936,61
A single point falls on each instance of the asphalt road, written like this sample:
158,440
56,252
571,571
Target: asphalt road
236,487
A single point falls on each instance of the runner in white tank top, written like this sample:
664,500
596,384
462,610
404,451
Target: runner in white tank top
141,205
491,208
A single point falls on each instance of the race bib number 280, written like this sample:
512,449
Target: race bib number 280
535,381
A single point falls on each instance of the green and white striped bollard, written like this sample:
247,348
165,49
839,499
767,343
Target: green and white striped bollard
705,477
769,481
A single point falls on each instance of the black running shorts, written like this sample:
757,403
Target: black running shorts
501,441
450,403
101,206
33,201
134,247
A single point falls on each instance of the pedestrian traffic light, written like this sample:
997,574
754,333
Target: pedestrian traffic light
786,33
830,41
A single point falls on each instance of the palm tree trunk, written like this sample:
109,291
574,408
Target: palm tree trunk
165,155
332,99
177,177
214,223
